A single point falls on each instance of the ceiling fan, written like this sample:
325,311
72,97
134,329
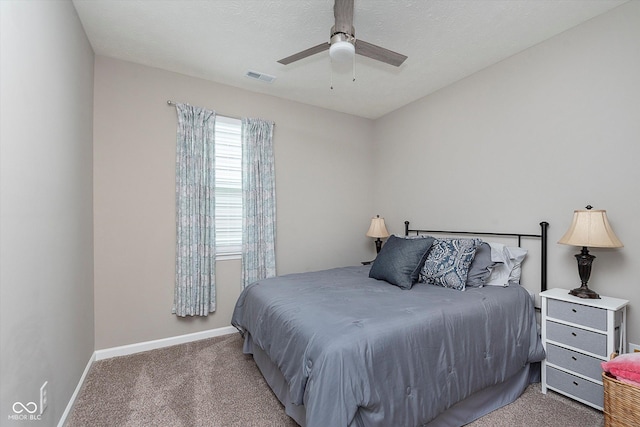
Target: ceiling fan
342,43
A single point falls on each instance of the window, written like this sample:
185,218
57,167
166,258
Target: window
228,187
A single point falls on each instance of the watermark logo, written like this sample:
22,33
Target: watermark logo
20,407
23,412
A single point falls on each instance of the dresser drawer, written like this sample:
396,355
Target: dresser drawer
574,361
575,386
591,317
592,342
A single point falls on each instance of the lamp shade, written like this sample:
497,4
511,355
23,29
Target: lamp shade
377,228
591,228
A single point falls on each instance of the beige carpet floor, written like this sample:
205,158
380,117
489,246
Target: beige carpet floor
211,383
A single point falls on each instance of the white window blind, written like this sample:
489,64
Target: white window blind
228,186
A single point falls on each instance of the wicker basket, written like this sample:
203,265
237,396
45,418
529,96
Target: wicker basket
621,403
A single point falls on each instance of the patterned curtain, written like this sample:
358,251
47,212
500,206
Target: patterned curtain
258,201
195,292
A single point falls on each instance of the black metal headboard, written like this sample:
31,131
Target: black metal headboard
542,236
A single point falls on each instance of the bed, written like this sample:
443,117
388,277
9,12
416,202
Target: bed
341,348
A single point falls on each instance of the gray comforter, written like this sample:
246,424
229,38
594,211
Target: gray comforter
348,344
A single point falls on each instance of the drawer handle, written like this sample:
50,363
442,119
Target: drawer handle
574,334
574,310
575,383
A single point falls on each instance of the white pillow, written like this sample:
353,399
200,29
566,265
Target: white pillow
508,266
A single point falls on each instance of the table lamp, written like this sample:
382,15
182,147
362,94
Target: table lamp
378,230
590,227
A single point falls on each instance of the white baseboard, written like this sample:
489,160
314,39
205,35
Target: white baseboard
67,410
126,350
137,348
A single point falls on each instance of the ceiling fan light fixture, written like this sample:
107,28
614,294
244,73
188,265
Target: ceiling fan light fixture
342,41
342,51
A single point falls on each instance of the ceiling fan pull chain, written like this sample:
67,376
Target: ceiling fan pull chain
354,68
331,73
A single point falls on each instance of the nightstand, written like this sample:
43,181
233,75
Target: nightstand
578,334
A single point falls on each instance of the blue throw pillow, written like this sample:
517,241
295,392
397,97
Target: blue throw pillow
448,262
480,268
400,260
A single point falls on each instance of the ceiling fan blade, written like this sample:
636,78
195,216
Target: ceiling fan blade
343,14
307,52
379,53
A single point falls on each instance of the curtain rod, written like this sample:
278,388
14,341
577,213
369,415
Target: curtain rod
171,103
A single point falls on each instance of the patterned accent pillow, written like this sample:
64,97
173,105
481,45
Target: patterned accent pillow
448,262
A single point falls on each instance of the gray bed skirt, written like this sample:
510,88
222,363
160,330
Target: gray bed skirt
464,412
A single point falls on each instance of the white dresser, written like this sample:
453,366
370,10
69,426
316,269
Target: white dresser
577,335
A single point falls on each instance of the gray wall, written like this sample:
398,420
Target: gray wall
46,245
323,186
531,138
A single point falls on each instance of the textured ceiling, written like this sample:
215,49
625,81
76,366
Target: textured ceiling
220,40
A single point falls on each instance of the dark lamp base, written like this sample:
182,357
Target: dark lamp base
585,259
378,245
584,292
